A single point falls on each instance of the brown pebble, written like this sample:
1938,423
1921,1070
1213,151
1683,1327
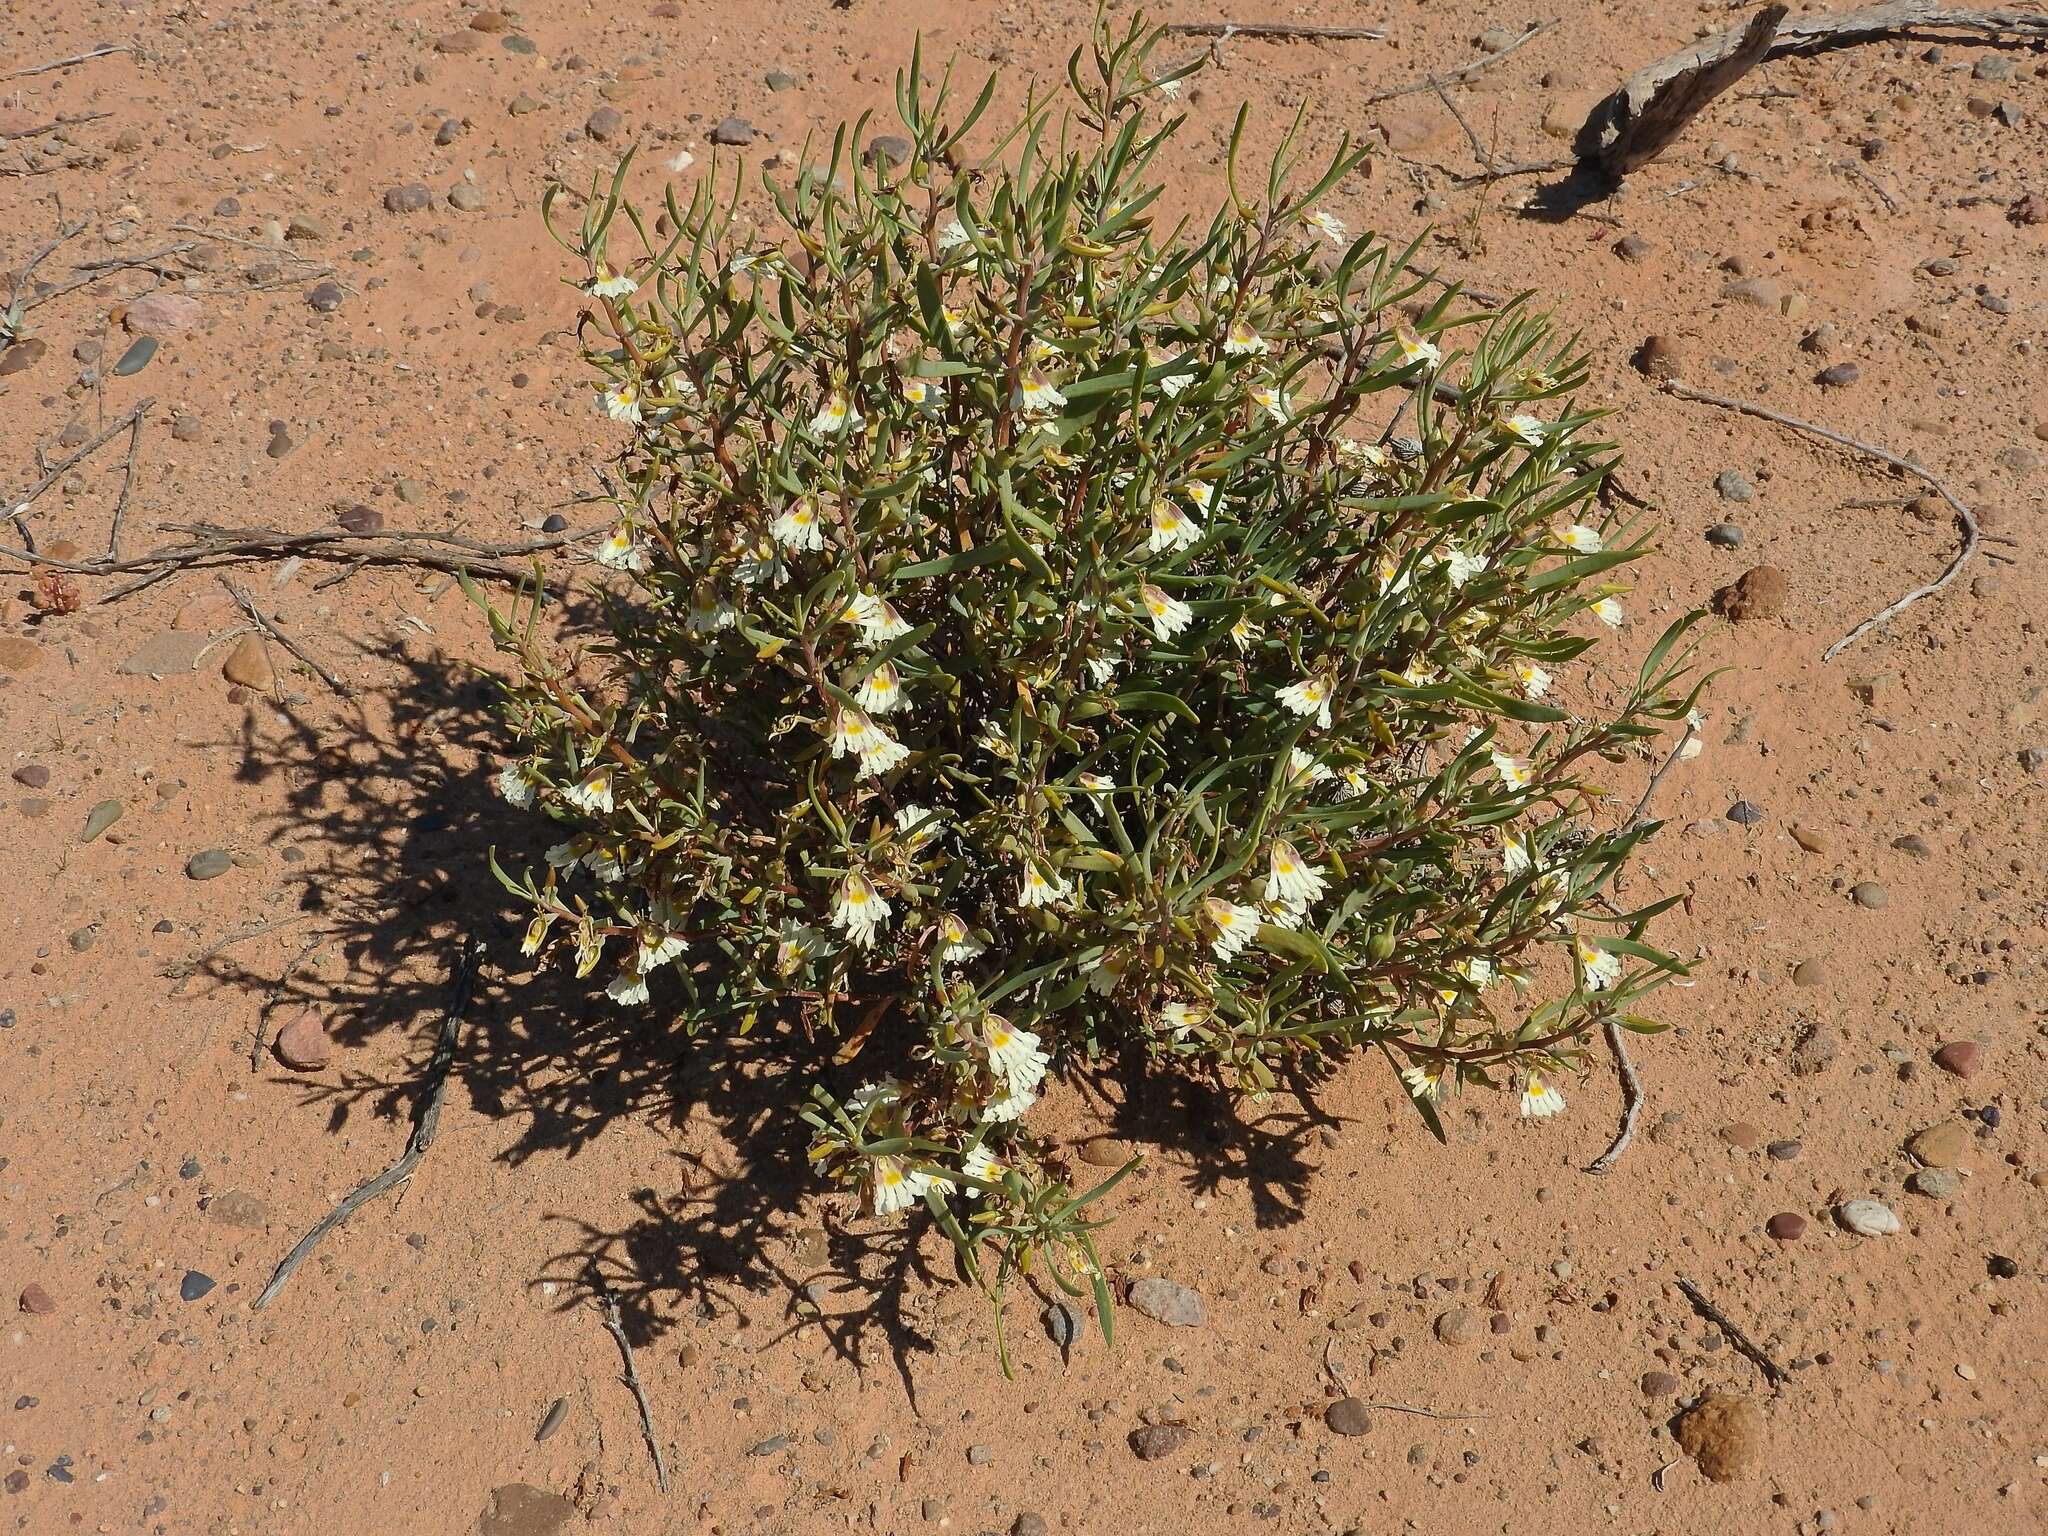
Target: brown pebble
1962,1057
303,1044
1659,357
1758,594
1786,1226
1812,839
1870,895
248,664
1725,1435
1741,1134
36,1301
1660,1384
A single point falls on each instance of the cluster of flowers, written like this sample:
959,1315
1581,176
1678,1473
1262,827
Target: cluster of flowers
1028,614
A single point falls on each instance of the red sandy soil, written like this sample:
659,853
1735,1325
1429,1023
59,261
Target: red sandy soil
809,1369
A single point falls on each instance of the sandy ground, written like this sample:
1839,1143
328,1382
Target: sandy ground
808,1369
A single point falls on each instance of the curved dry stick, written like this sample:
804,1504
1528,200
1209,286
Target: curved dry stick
1972,535
1461,74
1631,1099
1286,31
426,1120
1640,117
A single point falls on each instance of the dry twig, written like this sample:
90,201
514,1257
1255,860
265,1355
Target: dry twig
617,1329
1774,1373
1460,75
18,506
15,134
270,627
1222,30
1631,1098
426,1120
1972,535
1634,123
127,485
105,50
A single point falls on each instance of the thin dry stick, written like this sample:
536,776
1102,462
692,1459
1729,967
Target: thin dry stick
88,273
1479,151
1641,814
1278,29
18,506
183,970
43,253
127,485
1631,1098
269,627
426,1120
617,1329
284,979
63,122
1972,535
1774,1373
1461,74
105,50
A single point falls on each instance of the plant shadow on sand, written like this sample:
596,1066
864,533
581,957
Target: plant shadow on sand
391,802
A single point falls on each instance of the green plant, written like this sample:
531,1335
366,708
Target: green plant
1045,636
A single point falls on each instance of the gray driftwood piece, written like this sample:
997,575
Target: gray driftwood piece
1633,125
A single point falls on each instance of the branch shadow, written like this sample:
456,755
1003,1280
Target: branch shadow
388,822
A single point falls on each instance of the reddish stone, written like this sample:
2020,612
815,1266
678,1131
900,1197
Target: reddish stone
36,1301
1786,1226
1962,1057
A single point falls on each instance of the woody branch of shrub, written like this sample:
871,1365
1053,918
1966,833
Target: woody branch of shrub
1043,634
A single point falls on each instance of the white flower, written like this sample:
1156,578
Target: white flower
536,934
881,690
760,564
953,236
1235,926
797,527
1689,749
1353,781
628,987
1268,397
1601,967
957,945
1415,350
1513,772
1042,889
566,855
1301,768
1290,881
1540,1100
1283,914
610,285
1516,859
1170,89
593,792
609,865
1328,225
875,617
1608,612
918,824
1094,783
1534,680
917,392
1527,430
1422,1083
1310,697
798,943
1171,384
860,910
980,1163
1371,455
892,1186
1183,1019
1392,579
657,948
1243,341
1037,393
855,735
1418,673
1107,974
1015,1054
1201,493
743,263
709,613
1171,527
836,415
620,551
516,787
1580,538
1243,633
1101,669
1008,1105
1169,614
622,402
1461,566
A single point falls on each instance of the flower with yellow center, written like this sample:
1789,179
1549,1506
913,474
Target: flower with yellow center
957,943
1041,887
1271,399
1310,697
1244,341
1037,393
1243,633
1540,1100
1609,612
860,910
1172,529
1526,430
622,402
836,416
1169,614
1414,349
797,527
1514,773
1601,968
1236,926
610,285
1580,539
1534,680
593,792
881,690
1290,879
1326,224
